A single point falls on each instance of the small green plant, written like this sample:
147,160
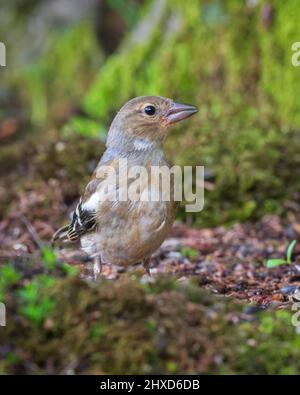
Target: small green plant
151,325
35,304
278,261
49,258
98,331
71,271
189,252
8,276
172,366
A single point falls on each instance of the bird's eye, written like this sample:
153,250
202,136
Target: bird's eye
149,110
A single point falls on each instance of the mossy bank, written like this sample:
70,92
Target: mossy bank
125,326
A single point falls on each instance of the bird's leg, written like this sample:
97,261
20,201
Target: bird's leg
97,266
146,265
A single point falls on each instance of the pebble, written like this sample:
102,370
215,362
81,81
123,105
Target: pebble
171,245
253,309
289,290
291,233
174,255
278,297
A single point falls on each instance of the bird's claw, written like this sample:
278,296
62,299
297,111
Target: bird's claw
146,266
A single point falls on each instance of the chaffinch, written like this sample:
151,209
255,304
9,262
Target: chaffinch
126,231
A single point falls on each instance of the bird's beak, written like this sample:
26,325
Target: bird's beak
178,112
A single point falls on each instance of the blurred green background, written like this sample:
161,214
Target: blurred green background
72,64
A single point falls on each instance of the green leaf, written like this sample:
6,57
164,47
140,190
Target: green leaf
275,262
290,250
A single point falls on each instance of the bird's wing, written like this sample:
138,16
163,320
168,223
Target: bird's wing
83,220
84,216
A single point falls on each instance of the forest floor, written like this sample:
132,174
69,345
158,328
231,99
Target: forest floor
229,262
38,195
221,261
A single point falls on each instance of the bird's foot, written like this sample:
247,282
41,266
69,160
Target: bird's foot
146,266
97,268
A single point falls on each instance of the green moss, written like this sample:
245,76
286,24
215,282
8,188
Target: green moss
280,79
237,68
74,154
52,84
85,127
273,329
126,327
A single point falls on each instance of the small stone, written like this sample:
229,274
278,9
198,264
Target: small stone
278,297
174,255
253,309
289,290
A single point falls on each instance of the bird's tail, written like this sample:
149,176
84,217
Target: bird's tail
61,235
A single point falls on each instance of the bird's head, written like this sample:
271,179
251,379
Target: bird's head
148,117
